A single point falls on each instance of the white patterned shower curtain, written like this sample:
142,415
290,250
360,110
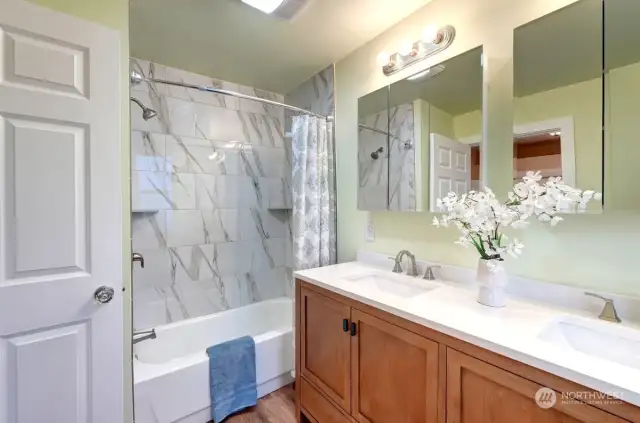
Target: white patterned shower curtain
314,195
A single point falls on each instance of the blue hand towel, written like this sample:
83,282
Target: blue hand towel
232,375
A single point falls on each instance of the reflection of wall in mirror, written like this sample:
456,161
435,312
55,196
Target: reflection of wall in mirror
399,161
622,138
580,101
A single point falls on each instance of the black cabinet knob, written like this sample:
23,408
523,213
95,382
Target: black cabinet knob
345,325
353,329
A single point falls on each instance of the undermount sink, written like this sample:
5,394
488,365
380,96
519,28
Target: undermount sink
391,285
608,341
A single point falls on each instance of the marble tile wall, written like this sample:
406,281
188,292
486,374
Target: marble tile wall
389,182
210,184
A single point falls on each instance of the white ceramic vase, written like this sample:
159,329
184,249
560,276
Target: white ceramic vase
492,284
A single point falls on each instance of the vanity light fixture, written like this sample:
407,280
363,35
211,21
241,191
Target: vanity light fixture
432,41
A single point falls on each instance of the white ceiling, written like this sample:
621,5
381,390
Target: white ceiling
232,41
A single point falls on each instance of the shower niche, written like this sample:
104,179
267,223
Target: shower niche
419,138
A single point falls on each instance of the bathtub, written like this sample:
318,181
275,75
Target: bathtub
171,372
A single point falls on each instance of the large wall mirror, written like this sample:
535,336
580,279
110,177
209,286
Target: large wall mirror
622,104
558,103
432,140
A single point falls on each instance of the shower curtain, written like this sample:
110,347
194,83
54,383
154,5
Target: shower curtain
314,195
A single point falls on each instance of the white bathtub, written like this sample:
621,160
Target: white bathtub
171,372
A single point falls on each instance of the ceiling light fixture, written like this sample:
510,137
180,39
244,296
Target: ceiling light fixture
432,41
267,6
283,9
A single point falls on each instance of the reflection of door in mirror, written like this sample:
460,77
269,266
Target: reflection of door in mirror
373,151
622,104
558,96
450,168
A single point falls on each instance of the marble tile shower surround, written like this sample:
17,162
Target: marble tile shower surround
395,167
210,190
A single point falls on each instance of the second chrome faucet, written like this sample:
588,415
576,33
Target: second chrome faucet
397,267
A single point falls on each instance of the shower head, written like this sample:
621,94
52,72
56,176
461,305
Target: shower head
136,77
376,154
147,113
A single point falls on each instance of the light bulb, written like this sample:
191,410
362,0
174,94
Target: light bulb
430,34
406,48
383,59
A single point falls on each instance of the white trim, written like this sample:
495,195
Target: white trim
567,141
417,152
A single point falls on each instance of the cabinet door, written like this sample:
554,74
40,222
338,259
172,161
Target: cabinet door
324,346
394,373
478,392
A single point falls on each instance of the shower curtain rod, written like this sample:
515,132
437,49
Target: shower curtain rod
137,78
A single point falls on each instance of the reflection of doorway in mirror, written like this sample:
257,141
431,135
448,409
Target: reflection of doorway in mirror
553,152
539,152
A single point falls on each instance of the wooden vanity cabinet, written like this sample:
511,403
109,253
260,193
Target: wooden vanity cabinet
355,363
325,358
394,373
478,392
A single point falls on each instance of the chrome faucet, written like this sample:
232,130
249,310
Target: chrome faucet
397,267
428,275
143,335
609,312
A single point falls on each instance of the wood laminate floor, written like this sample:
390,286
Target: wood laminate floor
277,407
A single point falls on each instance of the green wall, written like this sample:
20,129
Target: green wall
114,14
588,251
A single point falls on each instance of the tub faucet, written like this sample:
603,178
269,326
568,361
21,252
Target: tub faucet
397,267
143,335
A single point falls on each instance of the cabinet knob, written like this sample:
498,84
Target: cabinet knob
353,329
345,325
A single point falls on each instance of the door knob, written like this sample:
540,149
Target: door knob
104,294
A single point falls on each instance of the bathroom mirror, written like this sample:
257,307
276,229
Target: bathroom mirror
373,150
622,105
558,97
435,124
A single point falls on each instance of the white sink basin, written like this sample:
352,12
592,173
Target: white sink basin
609,341
390,284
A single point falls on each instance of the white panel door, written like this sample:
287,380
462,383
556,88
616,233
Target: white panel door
61,351
449,168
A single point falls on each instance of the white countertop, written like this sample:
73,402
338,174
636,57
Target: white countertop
511,331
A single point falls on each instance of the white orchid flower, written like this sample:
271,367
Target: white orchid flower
480,217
